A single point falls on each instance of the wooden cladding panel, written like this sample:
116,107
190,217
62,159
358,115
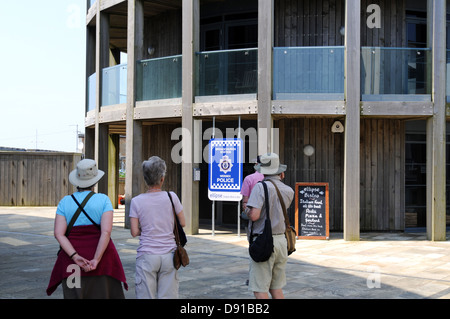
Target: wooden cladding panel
382,174
325,165
382,167
163,33
309,23
157,141
393,25
33,179
318,23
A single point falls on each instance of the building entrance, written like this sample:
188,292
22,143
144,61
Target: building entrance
416,174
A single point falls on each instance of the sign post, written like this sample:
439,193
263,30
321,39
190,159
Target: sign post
225,170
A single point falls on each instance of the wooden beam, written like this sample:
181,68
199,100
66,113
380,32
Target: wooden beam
133,177
436,158
288,107
189,189
352,121
265,45
102,61
397,108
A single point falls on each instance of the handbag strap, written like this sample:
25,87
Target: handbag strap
283,205
266,200
175,228
79,210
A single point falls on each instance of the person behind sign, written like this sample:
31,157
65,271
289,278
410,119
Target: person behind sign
151,218
247,186
269,276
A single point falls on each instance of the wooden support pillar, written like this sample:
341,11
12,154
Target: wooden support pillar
189,188
436,158
101,61
134,155
352,121
265,46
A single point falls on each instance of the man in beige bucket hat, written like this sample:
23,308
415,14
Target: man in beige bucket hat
270,275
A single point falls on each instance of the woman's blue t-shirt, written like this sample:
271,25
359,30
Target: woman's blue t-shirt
95,207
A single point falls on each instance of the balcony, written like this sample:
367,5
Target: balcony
114,85
395,74
308,73
227,72
158,78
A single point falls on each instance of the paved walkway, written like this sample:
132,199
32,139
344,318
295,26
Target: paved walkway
381,265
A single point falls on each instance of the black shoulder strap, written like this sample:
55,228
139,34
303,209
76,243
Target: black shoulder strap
173,206
79,210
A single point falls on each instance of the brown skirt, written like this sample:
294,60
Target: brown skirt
95,287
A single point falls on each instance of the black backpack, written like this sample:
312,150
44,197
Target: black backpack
262,247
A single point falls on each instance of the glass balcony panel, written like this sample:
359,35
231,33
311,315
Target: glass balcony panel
91,3
387,72
91,91
303,73
114,86
227,72
159,78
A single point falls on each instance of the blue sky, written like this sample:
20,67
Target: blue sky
42,82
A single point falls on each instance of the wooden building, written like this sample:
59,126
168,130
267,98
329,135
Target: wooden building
290,70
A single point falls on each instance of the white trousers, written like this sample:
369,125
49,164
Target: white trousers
156,277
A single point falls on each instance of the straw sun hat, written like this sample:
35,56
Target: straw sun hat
269,164
86,174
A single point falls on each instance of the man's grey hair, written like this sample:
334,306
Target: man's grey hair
154,169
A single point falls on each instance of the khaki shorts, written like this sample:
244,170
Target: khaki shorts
270,274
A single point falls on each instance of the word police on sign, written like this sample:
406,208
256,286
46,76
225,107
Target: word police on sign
225,169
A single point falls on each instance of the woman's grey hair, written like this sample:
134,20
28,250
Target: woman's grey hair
154,169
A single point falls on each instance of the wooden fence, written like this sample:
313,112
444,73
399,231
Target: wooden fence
35,178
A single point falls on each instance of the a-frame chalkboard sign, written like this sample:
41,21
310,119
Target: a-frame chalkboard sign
312,210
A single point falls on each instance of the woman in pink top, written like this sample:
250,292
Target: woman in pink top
151,218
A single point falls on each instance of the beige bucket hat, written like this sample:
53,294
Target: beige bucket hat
86,174
269,164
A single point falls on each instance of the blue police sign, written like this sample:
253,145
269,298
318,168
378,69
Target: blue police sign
225,169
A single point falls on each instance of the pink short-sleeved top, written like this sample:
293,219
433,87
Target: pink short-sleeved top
155,214
249,182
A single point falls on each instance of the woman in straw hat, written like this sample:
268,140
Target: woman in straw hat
88,265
